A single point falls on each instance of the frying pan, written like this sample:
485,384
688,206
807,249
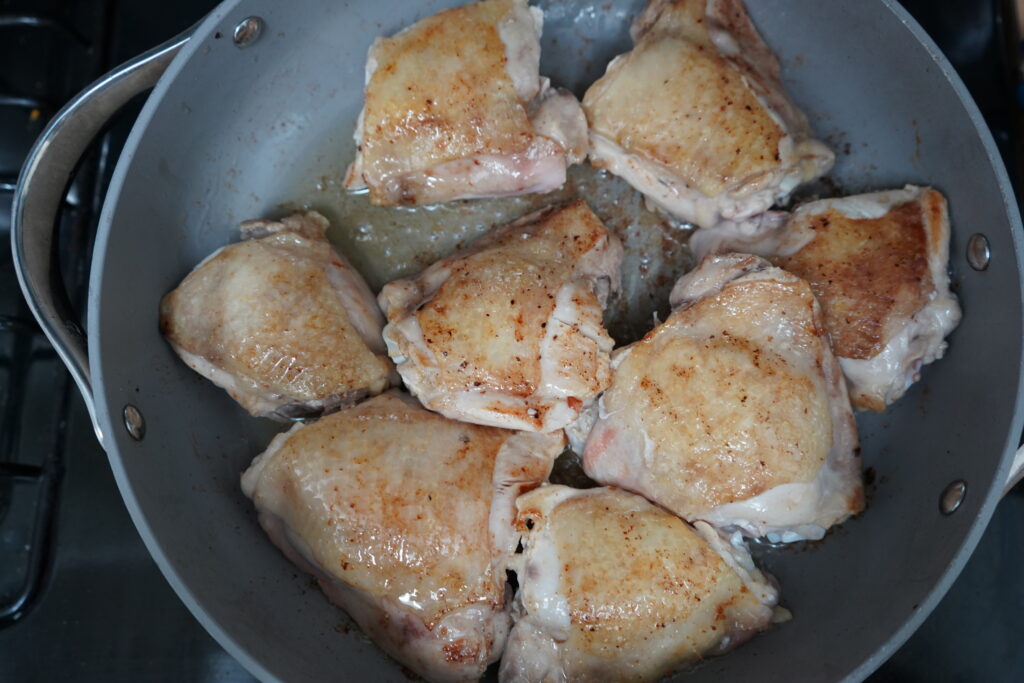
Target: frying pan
262,94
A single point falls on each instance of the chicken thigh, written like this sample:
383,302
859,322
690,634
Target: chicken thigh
404,517
281,321
509,333
877,264
613,588
733,411
455,109
695,116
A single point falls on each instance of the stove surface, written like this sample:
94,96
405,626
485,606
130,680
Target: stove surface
105,613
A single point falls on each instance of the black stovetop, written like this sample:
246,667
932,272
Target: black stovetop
100,609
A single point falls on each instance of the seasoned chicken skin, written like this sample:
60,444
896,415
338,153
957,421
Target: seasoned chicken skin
733,411
281,321
613,588
877,264
455,109
404,517
509,333
695,116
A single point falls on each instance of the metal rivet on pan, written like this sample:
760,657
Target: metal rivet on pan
134,422
248,31
952,497
978,251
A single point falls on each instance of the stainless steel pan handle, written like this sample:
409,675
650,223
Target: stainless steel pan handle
41,187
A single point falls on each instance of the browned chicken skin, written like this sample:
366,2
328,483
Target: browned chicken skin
404,517
281,321
877,264
613,588
455,109
509,333
733,411
695,116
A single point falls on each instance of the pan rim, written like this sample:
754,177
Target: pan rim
114,435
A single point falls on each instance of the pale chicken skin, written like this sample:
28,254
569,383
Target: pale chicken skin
613,588
696,118
404,518
734,410
455,108
281,321
509,333
878,265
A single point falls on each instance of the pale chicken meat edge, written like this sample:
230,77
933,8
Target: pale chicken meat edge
404,518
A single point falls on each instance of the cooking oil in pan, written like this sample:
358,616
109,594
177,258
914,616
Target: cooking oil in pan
386,243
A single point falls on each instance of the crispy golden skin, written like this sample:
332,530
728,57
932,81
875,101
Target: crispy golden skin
403,516
741,418
455,108
370,490
280,320
676,101
734,410
696,118
877,264
614,588
869,274
507,294
409,126
511,329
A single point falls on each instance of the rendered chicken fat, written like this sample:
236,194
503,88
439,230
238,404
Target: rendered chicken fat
612,587
403,516
509,332
281,321
695,116
455,109
733,411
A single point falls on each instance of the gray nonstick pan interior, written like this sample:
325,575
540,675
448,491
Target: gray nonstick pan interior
231,134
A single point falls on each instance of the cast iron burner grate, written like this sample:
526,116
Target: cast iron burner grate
34,387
